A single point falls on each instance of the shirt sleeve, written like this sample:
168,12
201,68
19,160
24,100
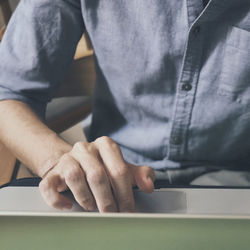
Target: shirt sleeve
37,49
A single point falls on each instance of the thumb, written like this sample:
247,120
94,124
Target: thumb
144,178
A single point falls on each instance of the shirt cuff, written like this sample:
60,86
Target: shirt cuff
38,107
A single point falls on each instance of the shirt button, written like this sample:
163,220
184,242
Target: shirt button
186,87
176,140
197,30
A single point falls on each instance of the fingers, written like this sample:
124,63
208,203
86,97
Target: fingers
52,197
118,173
144,178
67,174
98,176
76,182
98,181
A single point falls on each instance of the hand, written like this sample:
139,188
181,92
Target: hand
98,177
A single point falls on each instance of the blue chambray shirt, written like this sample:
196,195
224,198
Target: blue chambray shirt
173,77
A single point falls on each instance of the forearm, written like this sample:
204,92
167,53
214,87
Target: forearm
28,138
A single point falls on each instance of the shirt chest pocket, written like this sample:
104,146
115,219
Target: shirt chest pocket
235,71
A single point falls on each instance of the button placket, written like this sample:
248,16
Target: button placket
176,140
184,103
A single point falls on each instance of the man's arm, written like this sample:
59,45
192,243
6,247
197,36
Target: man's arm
32,62
32,142
36,51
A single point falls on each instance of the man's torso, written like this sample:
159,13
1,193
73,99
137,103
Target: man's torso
172,83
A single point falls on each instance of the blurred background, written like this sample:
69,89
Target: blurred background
12,4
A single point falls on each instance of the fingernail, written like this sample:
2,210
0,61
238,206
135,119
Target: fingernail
151,186
149,179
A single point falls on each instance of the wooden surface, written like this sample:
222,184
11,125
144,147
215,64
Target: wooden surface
6,10
6,164
2,30
84,47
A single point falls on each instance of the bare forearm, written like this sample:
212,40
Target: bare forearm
28,138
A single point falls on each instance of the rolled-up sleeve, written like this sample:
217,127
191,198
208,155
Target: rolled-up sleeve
37,48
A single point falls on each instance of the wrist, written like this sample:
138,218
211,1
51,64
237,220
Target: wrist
57,148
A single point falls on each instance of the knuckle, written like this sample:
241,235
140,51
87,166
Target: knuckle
97,177
104,140
72,175
70,165
84,147
90,147
65,158
80,146
114,146
121,172
86,201
107,207
108,142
